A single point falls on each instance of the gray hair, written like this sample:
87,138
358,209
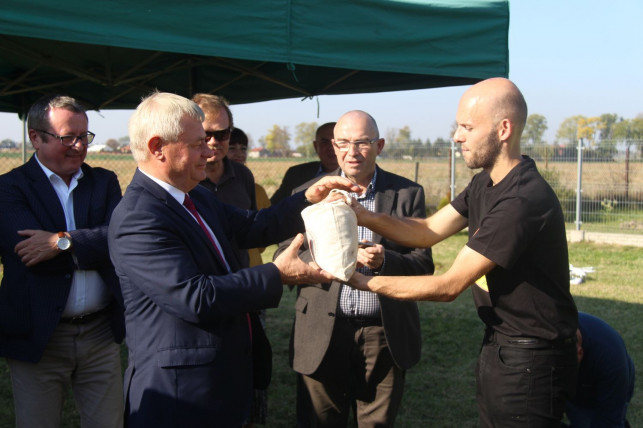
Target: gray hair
38,116
159,115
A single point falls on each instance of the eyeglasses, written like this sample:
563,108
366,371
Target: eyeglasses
220,135
362,145
71,140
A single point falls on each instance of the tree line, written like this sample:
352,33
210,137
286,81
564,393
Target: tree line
602,136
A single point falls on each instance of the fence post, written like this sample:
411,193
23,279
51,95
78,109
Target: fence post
24,139
627,173
452,156
579,186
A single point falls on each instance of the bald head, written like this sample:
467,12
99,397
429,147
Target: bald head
358,130
497,99
358,119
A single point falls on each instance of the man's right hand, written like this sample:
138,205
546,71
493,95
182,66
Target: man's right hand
39,246
295,271
318,191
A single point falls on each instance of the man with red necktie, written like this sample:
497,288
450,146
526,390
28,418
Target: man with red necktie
186,298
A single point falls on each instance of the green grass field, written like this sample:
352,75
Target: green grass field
440,390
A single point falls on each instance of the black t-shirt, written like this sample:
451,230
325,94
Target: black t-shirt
519,225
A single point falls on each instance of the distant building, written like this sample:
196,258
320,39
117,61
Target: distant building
258,152
97,148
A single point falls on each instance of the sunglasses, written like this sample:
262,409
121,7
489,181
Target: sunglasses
220,135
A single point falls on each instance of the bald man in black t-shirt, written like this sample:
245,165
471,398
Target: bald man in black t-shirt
516,256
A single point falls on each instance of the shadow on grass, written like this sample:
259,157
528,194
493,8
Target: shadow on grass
440,390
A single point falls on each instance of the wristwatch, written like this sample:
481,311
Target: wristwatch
63,243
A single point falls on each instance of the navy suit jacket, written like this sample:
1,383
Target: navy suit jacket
190,361
32,299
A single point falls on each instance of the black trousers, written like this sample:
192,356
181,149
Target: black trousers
524,382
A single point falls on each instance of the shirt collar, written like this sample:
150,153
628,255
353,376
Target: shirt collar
177,194
369,188
49,173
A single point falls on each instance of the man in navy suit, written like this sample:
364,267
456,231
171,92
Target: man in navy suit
61,315
186,298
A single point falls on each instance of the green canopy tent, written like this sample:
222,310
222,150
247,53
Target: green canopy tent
110,53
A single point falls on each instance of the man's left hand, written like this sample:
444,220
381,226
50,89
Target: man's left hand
372,257
318,191
39,246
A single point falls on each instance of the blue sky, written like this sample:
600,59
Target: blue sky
568,57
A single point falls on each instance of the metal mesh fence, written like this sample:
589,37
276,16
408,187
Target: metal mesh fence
611,188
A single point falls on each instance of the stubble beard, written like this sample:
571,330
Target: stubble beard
486,157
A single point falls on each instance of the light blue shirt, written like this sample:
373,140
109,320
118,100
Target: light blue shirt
88,292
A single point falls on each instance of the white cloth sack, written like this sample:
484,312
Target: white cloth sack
331,230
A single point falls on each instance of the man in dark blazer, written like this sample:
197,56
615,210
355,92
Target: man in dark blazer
298,174
61,314
355,347
186,300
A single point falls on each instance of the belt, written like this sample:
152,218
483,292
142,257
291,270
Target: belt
85,318
528,342
362,321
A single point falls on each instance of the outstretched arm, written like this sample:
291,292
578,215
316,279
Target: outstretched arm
412,232
466,269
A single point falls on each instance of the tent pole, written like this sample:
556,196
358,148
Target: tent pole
24,139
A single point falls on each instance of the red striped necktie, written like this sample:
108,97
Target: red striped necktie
187,203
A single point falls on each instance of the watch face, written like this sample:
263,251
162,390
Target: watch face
63,243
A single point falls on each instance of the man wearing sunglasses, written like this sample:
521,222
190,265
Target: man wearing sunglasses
61,315
232,182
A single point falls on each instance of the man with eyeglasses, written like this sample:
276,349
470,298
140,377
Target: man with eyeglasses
187,298
352,348
61,312
298,174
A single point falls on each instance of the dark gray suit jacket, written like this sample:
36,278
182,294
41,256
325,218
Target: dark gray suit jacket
295,176
316,304
32,299
190,361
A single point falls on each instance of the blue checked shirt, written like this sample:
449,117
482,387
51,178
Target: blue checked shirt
358,303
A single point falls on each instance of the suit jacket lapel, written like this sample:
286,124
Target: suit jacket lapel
384,198
42,189
82,198
211,217
189,223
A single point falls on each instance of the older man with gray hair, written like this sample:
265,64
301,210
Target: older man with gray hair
186,297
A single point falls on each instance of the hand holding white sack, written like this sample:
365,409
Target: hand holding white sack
331,230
